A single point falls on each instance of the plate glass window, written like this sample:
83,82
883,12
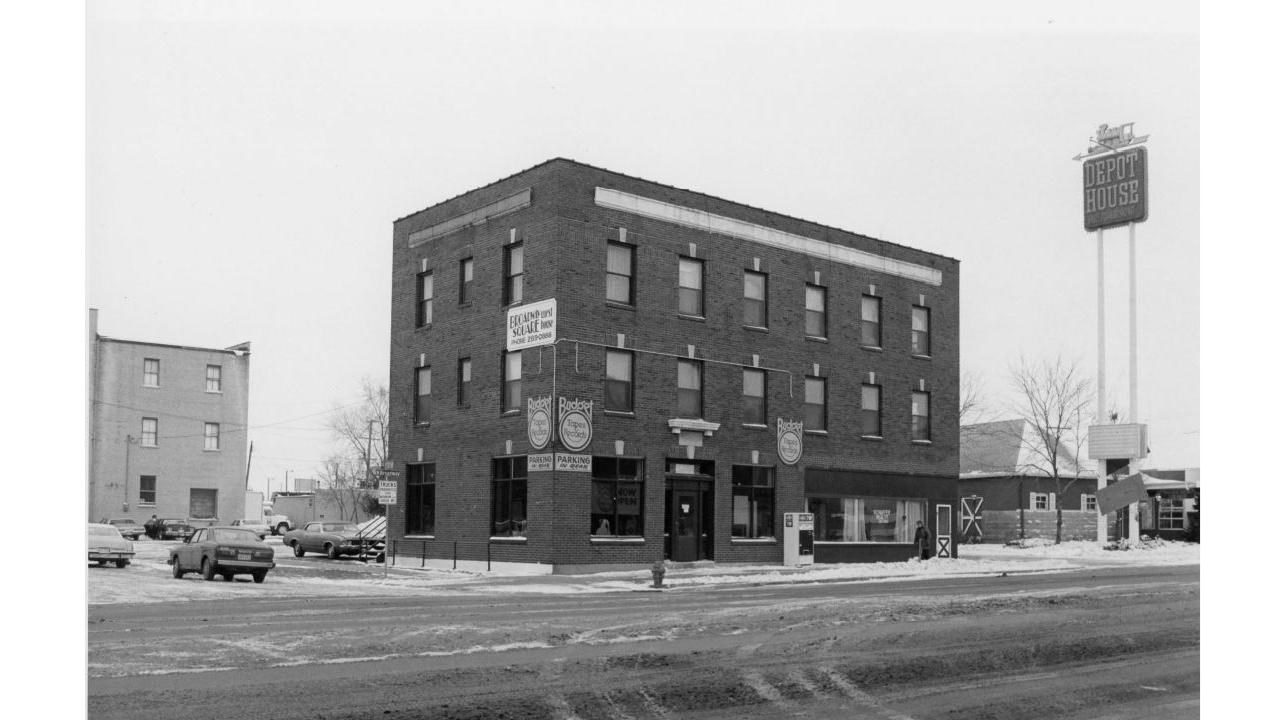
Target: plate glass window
815,311
510,496
689,389
871,410
920,429
617,497
212,436
755,299
618,381
755,409
147,490
919,330
815,403
690,290
422,393
870,321
863,519
619,278
752,501
420,500
513,274
464,382
150,432
151,372
466,274
512,368
213,378
426,298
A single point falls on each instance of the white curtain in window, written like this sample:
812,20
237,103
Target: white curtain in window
853,527
913,511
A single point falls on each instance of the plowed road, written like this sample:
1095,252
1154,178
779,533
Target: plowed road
1105,643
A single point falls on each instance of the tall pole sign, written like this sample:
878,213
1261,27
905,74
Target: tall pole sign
1115,194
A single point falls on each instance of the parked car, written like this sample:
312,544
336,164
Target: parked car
333,538
128,527
225,551
106,544
259,528
175,529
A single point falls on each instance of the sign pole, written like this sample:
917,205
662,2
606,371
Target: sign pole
1102,384
1133,361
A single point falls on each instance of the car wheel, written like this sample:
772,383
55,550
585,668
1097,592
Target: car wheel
206,569
177,569
331,551
297,549
122,563
259,576
282,529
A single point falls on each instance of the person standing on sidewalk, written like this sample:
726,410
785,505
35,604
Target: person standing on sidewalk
923,538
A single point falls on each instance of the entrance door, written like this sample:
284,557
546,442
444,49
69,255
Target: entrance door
686,525
943,534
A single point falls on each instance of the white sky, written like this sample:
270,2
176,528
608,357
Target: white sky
245,162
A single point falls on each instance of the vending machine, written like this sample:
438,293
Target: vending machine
797,538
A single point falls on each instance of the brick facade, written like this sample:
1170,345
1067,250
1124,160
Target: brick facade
564,229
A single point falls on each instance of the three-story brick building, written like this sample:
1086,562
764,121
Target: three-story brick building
590,370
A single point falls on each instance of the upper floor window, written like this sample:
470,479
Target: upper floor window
426,298
815,311
212,436
618,380
147,490
689,291
920,330
689,389
466,274
871,410
422,395
151,372
755,409
513,274
920,429
755,299
512,367
815,403
870,335
464,382
213,378
150,431
619,275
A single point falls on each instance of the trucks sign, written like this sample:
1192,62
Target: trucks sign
1115,189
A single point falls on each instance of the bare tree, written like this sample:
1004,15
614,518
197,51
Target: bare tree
341,479
1053,397
972,409
361,429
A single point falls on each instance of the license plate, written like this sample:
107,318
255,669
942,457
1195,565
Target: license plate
244,556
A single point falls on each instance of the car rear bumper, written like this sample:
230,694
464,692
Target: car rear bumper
244,565
97,555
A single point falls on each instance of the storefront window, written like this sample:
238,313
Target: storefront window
1172,514
752,501
865,519
420,500
617,497
510,496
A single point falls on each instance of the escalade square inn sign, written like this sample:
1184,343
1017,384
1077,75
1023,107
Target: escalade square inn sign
1115,189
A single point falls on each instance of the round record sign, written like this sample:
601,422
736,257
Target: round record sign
575,424
790,441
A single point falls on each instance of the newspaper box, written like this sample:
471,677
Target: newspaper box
797,538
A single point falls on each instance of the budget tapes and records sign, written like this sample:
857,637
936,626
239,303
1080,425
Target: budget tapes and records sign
1115,189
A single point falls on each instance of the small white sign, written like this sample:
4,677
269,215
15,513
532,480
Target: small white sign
573,463
387,490
541,462
531,325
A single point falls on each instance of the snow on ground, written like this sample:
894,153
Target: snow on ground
148,579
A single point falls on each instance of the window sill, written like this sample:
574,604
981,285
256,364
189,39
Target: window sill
755,328
508,540
146,504
873,348
213,392
419,424
877,438
419,537
212,450
621,413
815,432
510,413
617,540
755,426
816,338
753,541
148,446
921,442
464,304
918,356
694,318
620,305
152,387
422,327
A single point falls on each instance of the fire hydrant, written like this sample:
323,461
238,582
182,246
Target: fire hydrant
658,570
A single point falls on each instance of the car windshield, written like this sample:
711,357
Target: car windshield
103,531
124,522
339,527
228,535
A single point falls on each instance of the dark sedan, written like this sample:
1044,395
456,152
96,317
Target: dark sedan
175,529
225,551
128,527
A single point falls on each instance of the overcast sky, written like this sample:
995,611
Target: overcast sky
245,161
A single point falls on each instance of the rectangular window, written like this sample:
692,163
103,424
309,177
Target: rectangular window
466,274
1172,511
618,384
512,368
871,410
150,432
420,500
865,519
919,330
147,490
151,372
464,382
617,497
1042,501
752,501
510,496
755,299
1089,502
513,274
619,275
426,298
213,378
203,504
212,436
815,311
688,389
689,291
870,321
815,403
920,429
755,409
422,395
